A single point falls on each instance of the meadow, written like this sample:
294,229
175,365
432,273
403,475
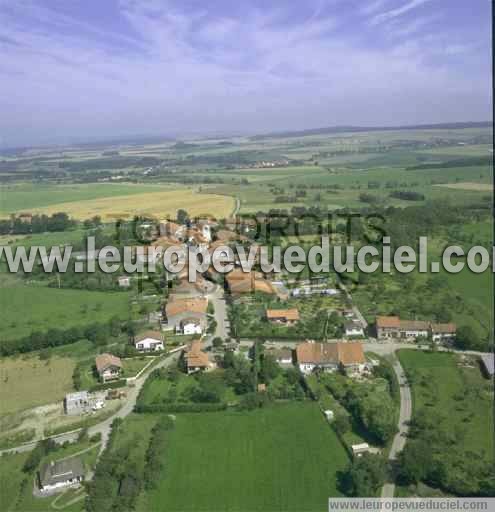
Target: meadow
265,460
29,381
35,308
457,391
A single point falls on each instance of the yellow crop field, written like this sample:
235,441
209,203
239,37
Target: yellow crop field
28,382
158,204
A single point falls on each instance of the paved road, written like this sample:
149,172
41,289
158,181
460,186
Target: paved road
103,427
217,298
405,415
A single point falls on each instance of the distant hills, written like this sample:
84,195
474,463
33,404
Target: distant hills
354,129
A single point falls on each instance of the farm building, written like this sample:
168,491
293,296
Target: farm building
108,366
149,341
443,332
283,316
347,356
61,474
395,328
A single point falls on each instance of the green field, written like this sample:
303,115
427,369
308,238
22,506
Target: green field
280,458
34,308
460,394
25,196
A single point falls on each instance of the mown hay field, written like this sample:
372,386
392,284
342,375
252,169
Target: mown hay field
112,201
157,204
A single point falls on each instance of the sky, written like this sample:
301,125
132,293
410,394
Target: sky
76,69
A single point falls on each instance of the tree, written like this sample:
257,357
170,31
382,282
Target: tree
468,338
341,423
414,461
217,342
364,476
269,368
182,216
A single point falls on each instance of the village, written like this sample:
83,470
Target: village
308,329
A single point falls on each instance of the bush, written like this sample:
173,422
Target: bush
179,407
108,385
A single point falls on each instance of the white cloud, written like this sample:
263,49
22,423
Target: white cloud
394,13
178,71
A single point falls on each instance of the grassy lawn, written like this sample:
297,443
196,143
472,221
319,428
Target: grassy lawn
28,308
28,381
280,458
461,395
11,477
130,368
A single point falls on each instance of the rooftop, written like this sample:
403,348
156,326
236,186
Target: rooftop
287,314
330,353
52,473
103,361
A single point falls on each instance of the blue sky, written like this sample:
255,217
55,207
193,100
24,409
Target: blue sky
78,68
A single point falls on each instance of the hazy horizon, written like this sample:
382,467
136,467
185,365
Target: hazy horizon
94,70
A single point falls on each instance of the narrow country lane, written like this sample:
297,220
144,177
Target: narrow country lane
405,415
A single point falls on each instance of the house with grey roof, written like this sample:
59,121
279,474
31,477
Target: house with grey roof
60,474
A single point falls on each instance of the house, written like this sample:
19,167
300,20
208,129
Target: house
488,364
124,281
240,282
283,316
171,229
195,238
77,403
353,328
191,325
443,332
204,227
392,327
61,474
181,313
196,359
281,356
108,366
347,356
149,341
